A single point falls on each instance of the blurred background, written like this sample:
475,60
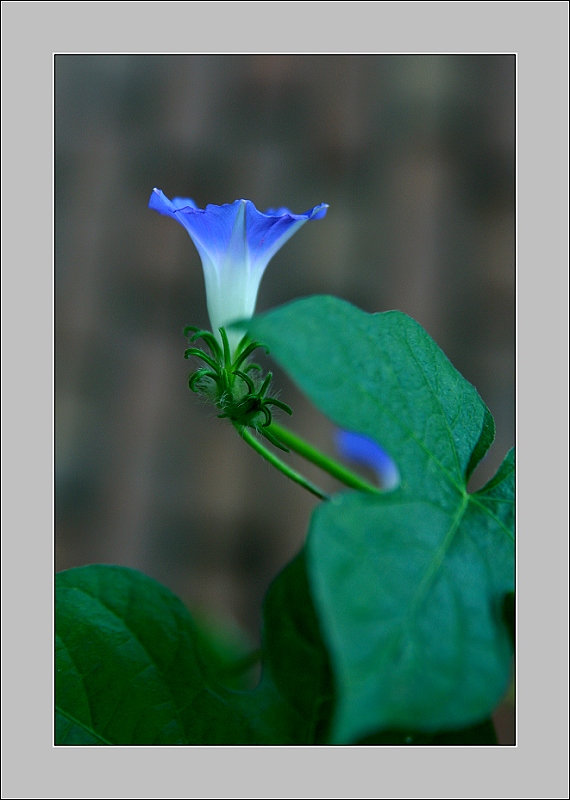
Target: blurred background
415,156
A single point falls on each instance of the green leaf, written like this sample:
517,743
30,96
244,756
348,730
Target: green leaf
294,650
408,586
130,670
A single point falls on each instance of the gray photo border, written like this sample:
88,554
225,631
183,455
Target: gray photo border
537,33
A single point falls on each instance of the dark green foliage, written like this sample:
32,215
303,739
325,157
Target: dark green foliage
395,623
295,652
129,670
408,586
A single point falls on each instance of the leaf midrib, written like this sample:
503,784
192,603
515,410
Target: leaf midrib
402,624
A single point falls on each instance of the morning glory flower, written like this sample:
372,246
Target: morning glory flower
362,450
235,242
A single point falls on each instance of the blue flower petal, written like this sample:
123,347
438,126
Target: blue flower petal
267,233
159,202
362,450
318,212
218,231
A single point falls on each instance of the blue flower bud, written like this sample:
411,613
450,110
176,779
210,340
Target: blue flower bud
362,450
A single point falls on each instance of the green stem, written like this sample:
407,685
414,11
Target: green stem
276,462
303,448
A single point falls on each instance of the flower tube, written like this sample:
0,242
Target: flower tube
235,243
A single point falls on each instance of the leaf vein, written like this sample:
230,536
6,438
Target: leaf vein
90,730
